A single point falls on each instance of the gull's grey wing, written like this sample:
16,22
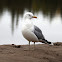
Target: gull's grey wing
38,33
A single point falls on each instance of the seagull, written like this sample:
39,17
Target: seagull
31,32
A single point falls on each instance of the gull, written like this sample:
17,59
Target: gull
31,32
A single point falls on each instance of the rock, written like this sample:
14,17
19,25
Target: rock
17,46
58,44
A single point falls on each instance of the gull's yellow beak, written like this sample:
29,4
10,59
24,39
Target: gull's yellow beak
34,17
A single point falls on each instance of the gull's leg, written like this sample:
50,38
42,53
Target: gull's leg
34,45
29,45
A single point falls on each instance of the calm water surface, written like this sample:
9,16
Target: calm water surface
11,15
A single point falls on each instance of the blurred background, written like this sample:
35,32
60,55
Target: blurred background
49,13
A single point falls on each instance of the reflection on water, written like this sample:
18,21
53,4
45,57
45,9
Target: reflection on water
11,14
48,7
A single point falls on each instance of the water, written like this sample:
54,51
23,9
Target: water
48,19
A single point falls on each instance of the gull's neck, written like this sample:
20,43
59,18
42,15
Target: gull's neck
27,23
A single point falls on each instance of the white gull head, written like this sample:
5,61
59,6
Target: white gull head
29,15
27,20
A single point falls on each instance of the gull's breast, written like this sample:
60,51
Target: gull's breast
28,34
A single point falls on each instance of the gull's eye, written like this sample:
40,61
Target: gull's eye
29,15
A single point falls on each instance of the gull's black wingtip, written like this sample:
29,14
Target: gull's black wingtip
49,42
